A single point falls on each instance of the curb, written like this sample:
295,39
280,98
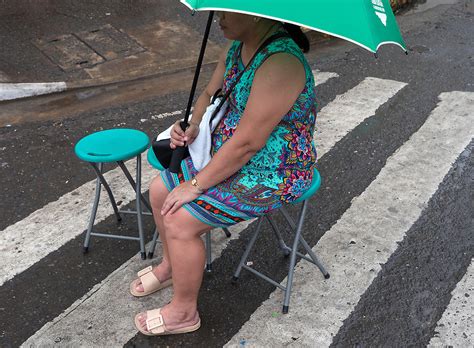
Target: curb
11,91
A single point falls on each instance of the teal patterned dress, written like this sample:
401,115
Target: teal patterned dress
280,172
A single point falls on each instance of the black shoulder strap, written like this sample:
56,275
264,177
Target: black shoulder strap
267,42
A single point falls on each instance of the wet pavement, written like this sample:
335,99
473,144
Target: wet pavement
37,165
91,42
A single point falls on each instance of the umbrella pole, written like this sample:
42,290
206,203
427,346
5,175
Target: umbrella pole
178,153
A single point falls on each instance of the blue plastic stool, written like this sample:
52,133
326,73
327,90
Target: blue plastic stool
293,251
155,163
108,146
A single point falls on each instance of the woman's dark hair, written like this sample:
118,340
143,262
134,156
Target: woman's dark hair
298,36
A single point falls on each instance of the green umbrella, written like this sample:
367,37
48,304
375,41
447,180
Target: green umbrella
367,23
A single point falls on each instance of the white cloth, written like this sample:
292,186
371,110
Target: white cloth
200,148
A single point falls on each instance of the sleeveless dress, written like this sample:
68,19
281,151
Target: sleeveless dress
278,173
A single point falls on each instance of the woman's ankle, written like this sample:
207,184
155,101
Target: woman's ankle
183,312
162,271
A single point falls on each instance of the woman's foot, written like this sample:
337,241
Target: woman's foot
175,320
151,280
162,272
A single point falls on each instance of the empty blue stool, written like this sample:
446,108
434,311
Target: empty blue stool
293,251
108,146
155,163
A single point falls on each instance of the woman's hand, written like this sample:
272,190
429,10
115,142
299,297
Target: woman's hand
179,137
180,195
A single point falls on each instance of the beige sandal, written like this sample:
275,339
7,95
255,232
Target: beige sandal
156,326
150,283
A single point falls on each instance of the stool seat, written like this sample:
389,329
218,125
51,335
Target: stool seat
315,184
153,160
112,145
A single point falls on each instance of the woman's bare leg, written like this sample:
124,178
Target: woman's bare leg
187,256
158,193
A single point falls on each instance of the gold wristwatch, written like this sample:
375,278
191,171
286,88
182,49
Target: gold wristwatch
194,182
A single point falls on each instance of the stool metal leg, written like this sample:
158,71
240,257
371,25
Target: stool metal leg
153,243
286,250
132,182
227,232
248,249
85,248
314,257
107,187
291,270
139,207
208,253
310,252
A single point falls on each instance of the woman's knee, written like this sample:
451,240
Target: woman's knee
181,225
158,192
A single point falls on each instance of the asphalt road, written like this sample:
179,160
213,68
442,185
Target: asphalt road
408,295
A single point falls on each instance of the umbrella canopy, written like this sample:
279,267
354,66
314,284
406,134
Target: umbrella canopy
367,23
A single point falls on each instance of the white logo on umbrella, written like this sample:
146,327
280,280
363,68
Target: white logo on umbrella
380,11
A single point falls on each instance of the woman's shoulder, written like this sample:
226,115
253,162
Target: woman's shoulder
283,63
284,45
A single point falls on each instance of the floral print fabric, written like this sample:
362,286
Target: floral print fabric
280,172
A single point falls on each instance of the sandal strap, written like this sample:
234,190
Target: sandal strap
148,279
145,271
154,322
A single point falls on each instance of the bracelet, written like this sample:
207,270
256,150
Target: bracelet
194,183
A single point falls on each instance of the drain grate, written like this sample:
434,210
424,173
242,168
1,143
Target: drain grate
88,48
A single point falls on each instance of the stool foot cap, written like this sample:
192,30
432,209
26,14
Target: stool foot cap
235,279
85,250
150,255
285,309
208,268
143,255
326,276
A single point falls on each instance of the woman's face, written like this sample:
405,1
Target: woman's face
235,26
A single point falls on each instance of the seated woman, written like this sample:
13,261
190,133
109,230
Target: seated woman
263,157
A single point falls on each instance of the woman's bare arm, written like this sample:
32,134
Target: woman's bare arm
276,86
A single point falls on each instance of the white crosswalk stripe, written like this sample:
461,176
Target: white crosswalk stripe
50,227
456,327
377,92
404,186
351,108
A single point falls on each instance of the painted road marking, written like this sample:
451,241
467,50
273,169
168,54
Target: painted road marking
321,77
349,109
48,228
456,327
106,329
106,319
376,220
10,91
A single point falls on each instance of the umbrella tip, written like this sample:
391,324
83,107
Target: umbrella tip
406,52
193,12
376,55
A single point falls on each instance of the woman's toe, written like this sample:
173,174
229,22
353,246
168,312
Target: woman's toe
139,286
142,321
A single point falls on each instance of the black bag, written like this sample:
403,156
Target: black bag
162,149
